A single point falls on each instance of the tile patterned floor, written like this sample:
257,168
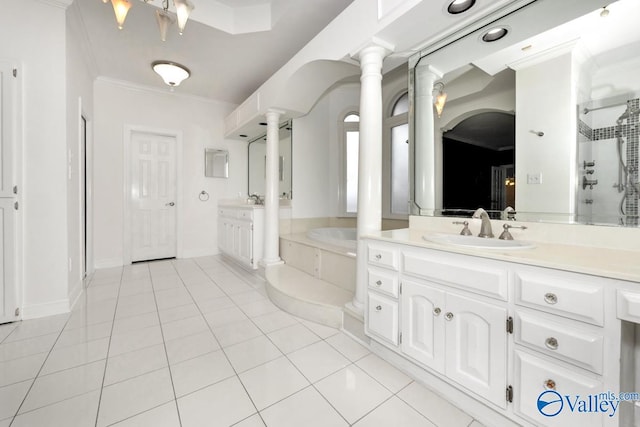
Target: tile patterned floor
197,343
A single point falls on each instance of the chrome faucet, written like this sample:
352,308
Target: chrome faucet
256,198
485,228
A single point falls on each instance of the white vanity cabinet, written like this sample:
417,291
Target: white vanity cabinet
240,233
498,332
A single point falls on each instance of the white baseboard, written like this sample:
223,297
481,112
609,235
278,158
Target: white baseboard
108,263
197,253
46,309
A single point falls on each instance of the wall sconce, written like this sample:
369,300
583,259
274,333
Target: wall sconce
441,98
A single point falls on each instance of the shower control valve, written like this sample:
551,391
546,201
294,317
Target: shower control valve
588,183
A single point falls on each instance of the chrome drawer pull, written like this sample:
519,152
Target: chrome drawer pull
550,298
437,311
551,343
550,384
379,283
379,308
449,315
378,256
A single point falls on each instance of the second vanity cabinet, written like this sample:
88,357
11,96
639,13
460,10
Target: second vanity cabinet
500,332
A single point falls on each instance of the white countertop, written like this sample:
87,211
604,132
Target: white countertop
606,262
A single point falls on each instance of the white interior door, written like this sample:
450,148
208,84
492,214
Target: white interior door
153,196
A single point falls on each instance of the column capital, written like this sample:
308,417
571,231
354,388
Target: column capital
274,111
373,46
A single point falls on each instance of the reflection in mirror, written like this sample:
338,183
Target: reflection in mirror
216,163
571,93
257,154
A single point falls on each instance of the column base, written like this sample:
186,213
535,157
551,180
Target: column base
356,309
269,262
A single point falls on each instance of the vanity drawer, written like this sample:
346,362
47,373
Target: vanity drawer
383,281
227,213
571,343
574,296
475,274
382,317
535,375
245,214
382,256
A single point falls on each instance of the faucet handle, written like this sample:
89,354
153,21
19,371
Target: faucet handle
465,230
506,235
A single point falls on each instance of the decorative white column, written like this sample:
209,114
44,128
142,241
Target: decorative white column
425,144
271,254
369,158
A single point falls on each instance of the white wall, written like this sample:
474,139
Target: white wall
200,122
33,35
79,102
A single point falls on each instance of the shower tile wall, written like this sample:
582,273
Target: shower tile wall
597,138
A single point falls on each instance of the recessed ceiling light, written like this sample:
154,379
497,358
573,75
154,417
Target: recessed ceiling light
460,6
494,34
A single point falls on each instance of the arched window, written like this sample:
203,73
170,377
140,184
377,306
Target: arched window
351,138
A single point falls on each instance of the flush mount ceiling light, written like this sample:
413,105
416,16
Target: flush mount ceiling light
163,17
172,73
460,6
494,34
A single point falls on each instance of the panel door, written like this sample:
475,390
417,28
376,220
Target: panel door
7,124
153,196
476,343
423,324
8,301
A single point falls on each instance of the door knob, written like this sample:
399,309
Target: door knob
170,204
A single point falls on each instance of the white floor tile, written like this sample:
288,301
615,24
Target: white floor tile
476,424
173,298
78,411
251,353
394,413
179,313
258,308
306,408
384,373
136,287
192,346
272,382
6,329
247,297
63,385
318,361
84,334
28,347
134,323
293,338
210,305
75,355
134,363
322,331
352,392
435,408
205,291
348,346
101,293
133,396
127,307
221,404
37,327
83,317
199,372
135,340
162,416
17,370
224,316
252,421
11,397
184,327
237,332
273,321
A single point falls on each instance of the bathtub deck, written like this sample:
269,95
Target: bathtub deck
305,296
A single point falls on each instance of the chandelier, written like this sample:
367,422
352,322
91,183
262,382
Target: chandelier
163,17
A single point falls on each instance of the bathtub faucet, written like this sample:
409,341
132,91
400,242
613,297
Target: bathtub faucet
485,228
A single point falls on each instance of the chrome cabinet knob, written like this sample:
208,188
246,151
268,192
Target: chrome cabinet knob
379,283
437,311
378,256
549,384
170,204
550,298
448,316
551,343
379,308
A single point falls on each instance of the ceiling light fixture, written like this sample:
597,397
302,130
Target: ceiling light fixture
460,6
163,17
494,34
172,73
441,98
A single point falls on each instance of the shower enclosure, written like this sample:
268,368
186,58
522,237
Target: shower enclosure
609,186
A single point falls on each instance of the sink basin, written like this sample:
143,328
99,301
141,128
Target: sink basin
476,242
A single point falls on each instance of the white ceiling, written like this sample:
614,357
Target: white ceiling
224,66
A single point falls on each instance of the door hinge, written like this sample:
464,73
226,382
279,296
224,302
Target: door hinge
15,189
509,325
15,72
16,205
17,312
400,338
509,394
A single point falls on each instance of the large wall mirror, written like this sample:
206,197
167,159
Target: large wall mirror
543,120
257,163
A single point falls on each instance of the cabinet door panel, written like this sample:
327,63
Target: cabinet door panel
422,324
476,345
245,243
382,317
